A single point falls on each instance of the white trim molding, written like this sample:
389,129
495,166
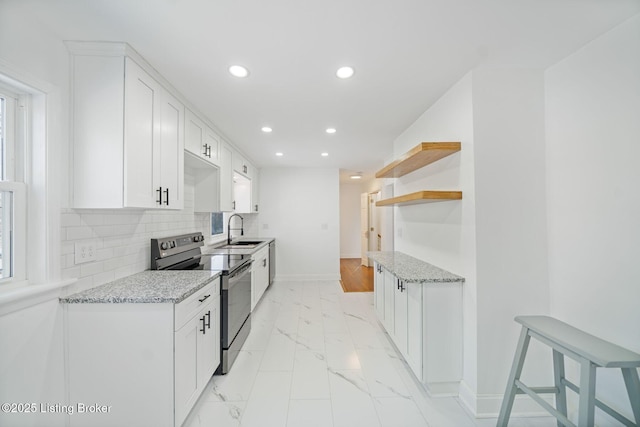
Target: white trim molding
488,405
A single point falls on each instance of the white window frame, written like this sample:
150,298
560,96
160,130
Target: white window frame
15,151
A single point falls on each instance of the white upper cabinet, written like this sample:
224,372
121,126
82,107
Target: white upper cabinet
128,132
241,165
241,194
255,200
245,185
201,140
171,152
226,178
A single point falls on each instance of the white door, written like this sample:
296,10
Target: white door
374,223
364,228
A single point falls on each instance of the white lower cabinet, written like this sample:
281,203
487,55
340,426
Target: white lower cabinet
389,286
413,352
424,321
259,275
400,319
141,364
407,317
197,355
378,290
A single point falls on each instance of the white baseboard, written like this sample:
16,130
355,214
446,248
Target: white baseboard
350,255
488,405
443,389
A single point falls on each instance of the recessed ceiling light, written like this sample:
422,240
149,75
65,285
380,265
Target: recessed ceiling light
266,129
345,72
279,154
238,71
356,176
331,130
324,154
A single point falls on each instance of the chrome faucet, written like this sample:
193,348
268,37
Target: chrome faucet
229,228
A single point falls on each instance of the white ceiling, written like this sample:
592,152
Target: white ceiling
406,53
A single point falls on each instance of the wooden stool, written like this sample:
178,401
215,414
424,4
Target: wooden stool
591,352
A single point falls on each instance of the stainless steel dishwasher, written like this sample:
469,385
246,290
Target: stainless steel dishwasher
272,261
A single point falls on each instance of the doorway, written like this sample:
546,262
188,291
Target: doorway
355,277
370,225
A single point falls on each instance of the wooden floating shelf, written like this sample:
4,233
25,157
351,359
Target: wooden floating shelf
421,197
421,155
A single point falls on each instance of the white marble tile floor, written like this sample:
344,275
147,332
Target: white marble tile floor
317,356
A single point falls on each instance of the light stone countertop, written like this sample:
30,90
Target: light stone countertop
411,269
146,287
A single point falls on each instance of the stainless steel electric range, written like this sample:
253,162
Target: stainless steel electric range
183,253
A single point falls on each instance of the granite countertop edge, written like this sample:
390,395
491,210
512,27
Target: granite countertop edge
147,287
410,269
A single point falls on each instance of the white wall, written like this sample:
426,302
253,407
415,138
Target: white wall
300,207
511,246
31,355
350,220
593,148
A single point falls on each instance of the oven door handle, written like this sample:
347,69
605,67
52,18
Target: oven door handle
237,275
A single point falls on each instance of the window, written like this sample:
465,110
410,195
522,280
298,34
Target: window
12,188
217,223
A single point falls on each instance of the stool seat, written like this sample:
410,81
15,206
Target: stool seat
588,350
602,353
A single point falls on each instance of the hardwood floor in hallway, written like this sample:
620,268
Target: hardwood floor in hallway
355,277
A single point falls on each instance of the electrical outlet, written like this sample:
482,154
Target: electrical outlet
85,252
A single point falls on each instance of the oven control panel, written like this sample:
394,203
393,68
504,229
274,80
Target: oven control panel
169,246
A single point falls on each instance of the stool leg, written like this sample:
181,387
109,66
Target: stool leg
586,410
516,370
558,375
633,389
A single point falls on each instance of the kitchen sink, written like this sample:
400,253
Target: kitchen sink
237,246
242,244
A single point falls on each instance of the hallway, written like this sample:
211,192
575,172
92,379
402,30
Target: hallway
355,277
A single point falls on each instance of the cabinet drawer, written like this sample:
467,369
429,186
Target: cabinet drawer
189,307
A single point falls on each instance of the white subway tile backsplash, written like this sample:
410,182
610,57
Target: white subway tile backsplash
91,268
104,254
92,220
105,277
122,238
71,219
82,232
